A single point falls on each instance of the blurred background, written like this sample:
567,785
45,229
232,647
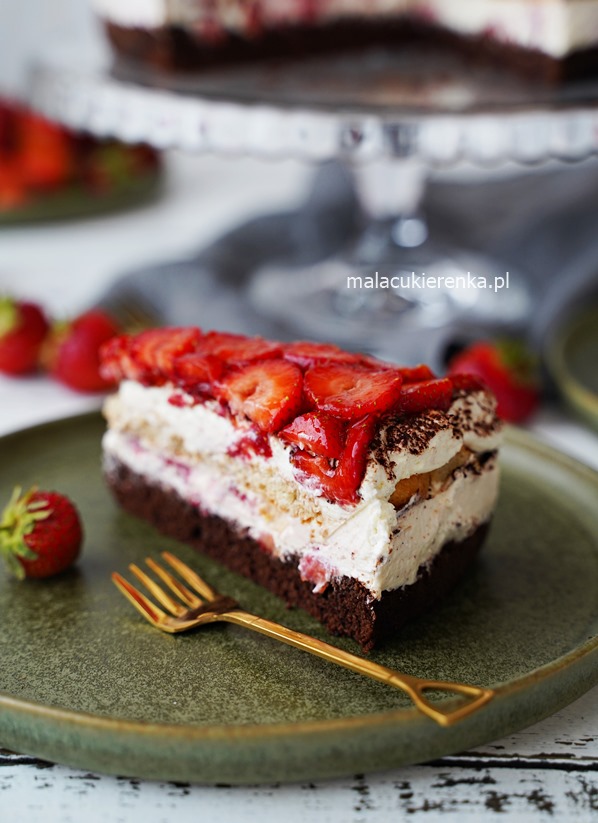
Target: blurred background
253,212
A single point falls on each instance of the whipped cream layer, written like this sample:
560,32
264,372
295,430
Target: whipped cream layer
186,449
555,27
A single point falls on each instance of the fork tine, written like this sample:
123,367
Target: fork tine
156,591
151,613
191,577
175,585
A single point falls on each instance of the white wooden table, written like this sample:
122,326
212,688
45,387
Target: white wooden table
547,772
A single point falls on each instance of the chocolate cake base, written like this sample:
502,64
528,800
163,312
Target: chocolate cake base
173,48
345,607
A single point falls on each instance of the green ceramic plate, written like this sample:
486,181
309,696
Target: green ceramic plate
85,681
77,203
573,361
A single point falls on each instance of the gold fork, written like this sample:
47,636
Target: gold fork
205,605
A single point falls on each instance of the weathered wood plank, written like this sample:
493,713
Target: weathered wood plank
545,773
437,792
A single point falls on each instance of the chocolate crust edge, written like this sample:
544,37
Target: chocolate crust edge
344,607
173,48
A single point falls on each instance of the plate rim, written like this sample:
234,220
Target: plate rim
582,399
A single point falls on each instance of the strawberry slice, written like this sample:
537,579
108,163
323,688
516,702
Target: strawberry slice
268,392
236,348
427,394
317,432
197,371
410,374
341,484
117,362
350,391
155,350
352,464
467,382
316,468
306,353
416,374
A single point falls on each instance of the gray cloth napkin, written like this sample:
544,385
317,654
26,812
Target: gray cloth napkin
542,226
208,288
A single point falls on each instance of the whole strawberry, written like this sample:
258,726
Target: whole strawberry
40,533
509,370
23,329
72,351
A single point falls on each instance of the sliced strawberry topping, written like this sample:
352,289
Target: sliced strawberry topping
197,372
410,374
269,393
117,362
156,349
315,467
467,382
415,374
327,415
427,394
353,461
306,354
236,348
350,391
340,484
317,432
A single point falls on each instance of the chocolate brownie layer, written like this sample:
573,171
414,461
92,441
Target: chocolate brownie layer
345,607
174,48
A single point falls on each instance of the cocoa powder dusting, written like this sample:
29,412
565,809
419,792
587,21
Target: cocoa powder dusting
407,434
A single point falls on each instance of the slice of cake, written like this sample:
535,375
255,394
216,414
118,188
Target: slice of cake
548,38
355,489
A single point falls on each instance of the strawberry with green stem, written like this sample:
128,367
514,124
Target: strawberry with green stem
40,533
72,351
23,329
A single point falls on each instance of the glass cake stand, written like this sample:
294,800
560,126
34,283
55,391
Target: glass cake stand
392,119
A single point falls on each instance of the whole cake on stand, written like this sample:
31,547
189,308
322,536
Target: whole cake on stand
553,39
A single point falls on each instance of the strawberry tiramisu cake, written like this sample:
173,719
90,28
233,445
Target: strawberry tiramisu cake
550,38
353,488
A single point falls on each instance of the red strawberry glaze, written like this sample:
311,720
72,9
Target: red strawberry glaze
349,391
318,432
236,348
341,482
427,394
268,393
306,354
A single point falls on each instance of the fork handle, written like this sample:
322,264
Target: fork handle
413,686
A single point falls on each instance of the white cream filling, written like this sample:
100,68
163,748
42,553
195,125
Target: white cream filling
373,543
185,449
555,27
